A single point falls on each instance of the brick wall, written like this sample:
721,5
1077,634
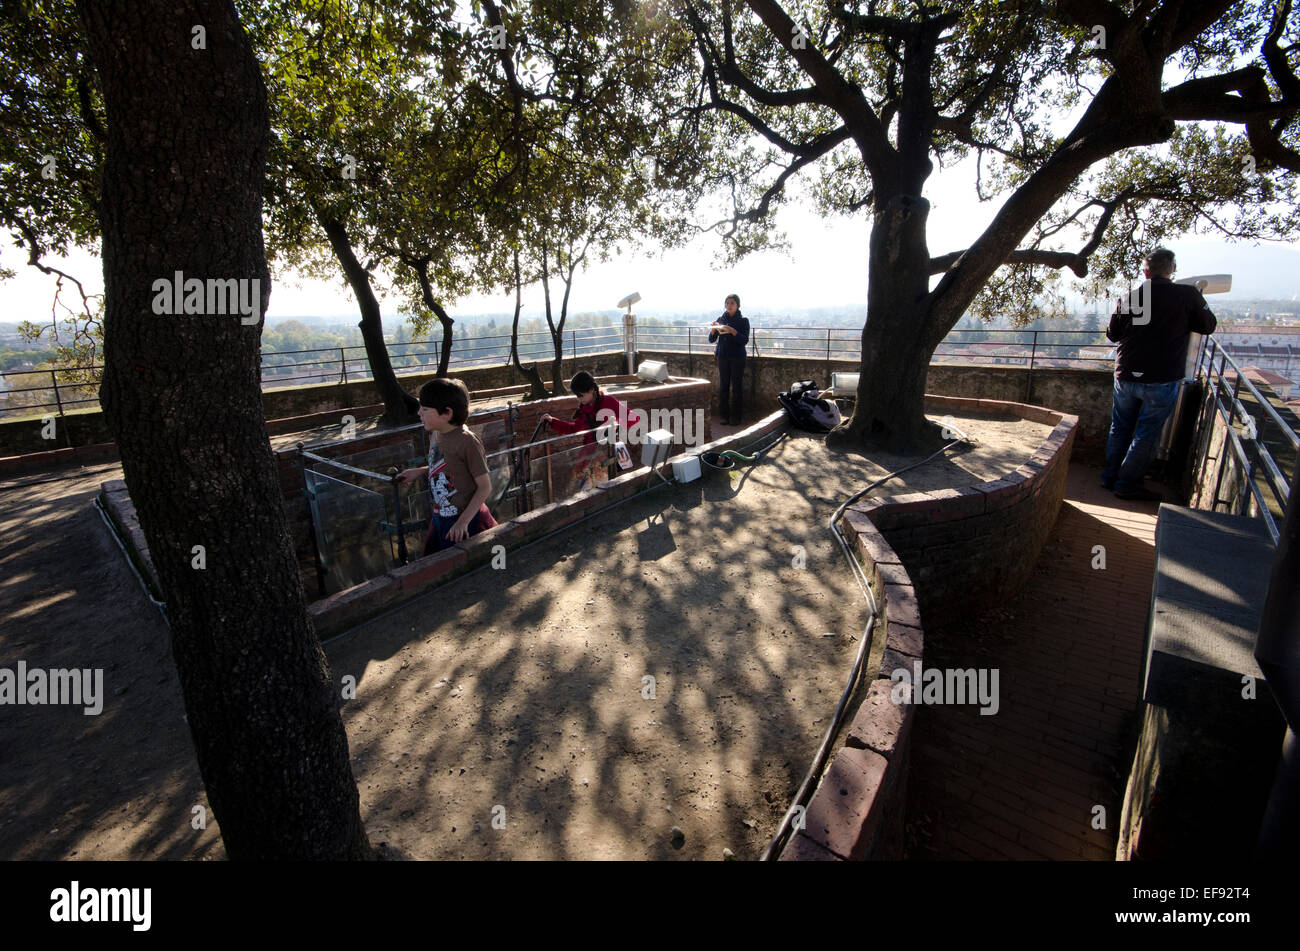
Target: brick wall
1083,393
301,406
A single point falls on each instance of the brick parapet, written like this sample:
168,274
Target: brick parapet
927,556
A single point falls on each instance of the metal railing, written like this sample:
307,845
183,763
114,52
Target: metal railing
348,363
1247,451
1031,348
342,364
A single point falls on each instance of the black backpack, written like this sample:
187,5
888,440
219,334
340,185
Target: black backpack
807,410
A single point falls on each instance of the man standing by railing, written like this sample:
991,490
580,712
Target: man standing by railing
1151,327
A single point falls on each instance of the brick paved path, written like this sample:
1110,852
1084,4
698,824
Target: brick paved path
1024,783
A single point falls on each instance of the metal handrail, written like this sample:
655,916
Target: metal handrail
1212,347
1227,406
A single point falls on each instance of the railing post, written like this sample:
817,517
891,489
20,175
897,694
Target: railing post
397,511
1244,496
55,380
1029,377
343,363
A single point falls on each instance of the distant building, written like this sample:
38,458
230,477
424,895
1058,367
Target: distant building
1263,346
1275,381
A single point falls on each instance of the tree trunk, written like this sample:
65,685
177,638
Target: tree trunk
421,269
400,407
182,192
444,357
537,387
899,338
557,332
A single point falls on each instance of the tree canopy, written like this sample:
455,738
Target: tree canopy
1080,114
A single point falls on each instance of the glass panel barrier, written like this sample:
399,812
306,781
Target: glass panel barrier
349,535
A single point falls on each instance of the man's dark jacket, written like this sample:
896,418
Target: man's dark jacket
1154,350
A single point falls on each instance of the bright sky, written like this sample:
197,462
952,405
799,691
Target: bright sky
827,268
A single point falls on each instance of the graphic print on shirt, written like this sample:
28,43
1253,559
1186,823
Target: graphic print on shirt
441,488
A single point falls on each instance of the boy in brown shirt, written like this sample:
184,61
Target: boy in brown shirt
459,483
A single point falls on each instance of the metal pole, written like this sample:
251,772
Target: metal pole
1029,378
57,399
397,510
311,523
343,362
550,486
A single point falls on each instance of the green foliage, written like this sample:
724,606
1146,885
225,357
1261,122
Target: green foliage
50,147
1020,86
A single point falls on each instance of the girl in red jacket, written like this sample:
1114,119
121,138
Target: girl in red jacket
589,467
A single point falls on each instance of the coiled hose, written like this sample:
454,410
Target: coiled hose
726,460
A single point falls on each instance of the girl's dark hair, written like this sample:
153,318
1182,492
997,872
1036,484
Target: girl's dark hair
445,394
583,382
735,297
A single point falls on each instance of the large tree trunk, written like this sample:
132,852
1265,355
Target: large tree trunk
182,191
399,406
900,335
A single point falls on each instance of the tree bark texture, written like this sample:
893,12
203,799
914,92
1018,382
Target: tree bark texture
182,192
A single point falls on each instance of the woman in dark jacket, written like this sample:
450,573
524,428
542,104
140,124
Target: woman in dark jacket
731,334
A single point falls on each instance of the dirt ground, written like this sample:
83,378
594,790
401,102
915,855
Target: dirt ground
508,714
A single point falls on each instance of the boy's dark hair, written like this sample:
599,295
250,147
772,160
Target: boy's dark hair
445,394
582,382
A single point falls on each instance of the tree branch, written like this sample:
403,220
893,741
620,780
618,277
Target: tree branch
846,99
1075,261
825,143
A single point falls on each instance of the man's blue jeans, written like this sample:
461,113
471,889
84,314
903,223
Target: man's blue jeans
1137,416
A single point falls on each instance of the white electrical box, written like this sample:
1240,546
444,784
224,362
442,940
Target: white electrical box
653,371
844,384
686,468
655,447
